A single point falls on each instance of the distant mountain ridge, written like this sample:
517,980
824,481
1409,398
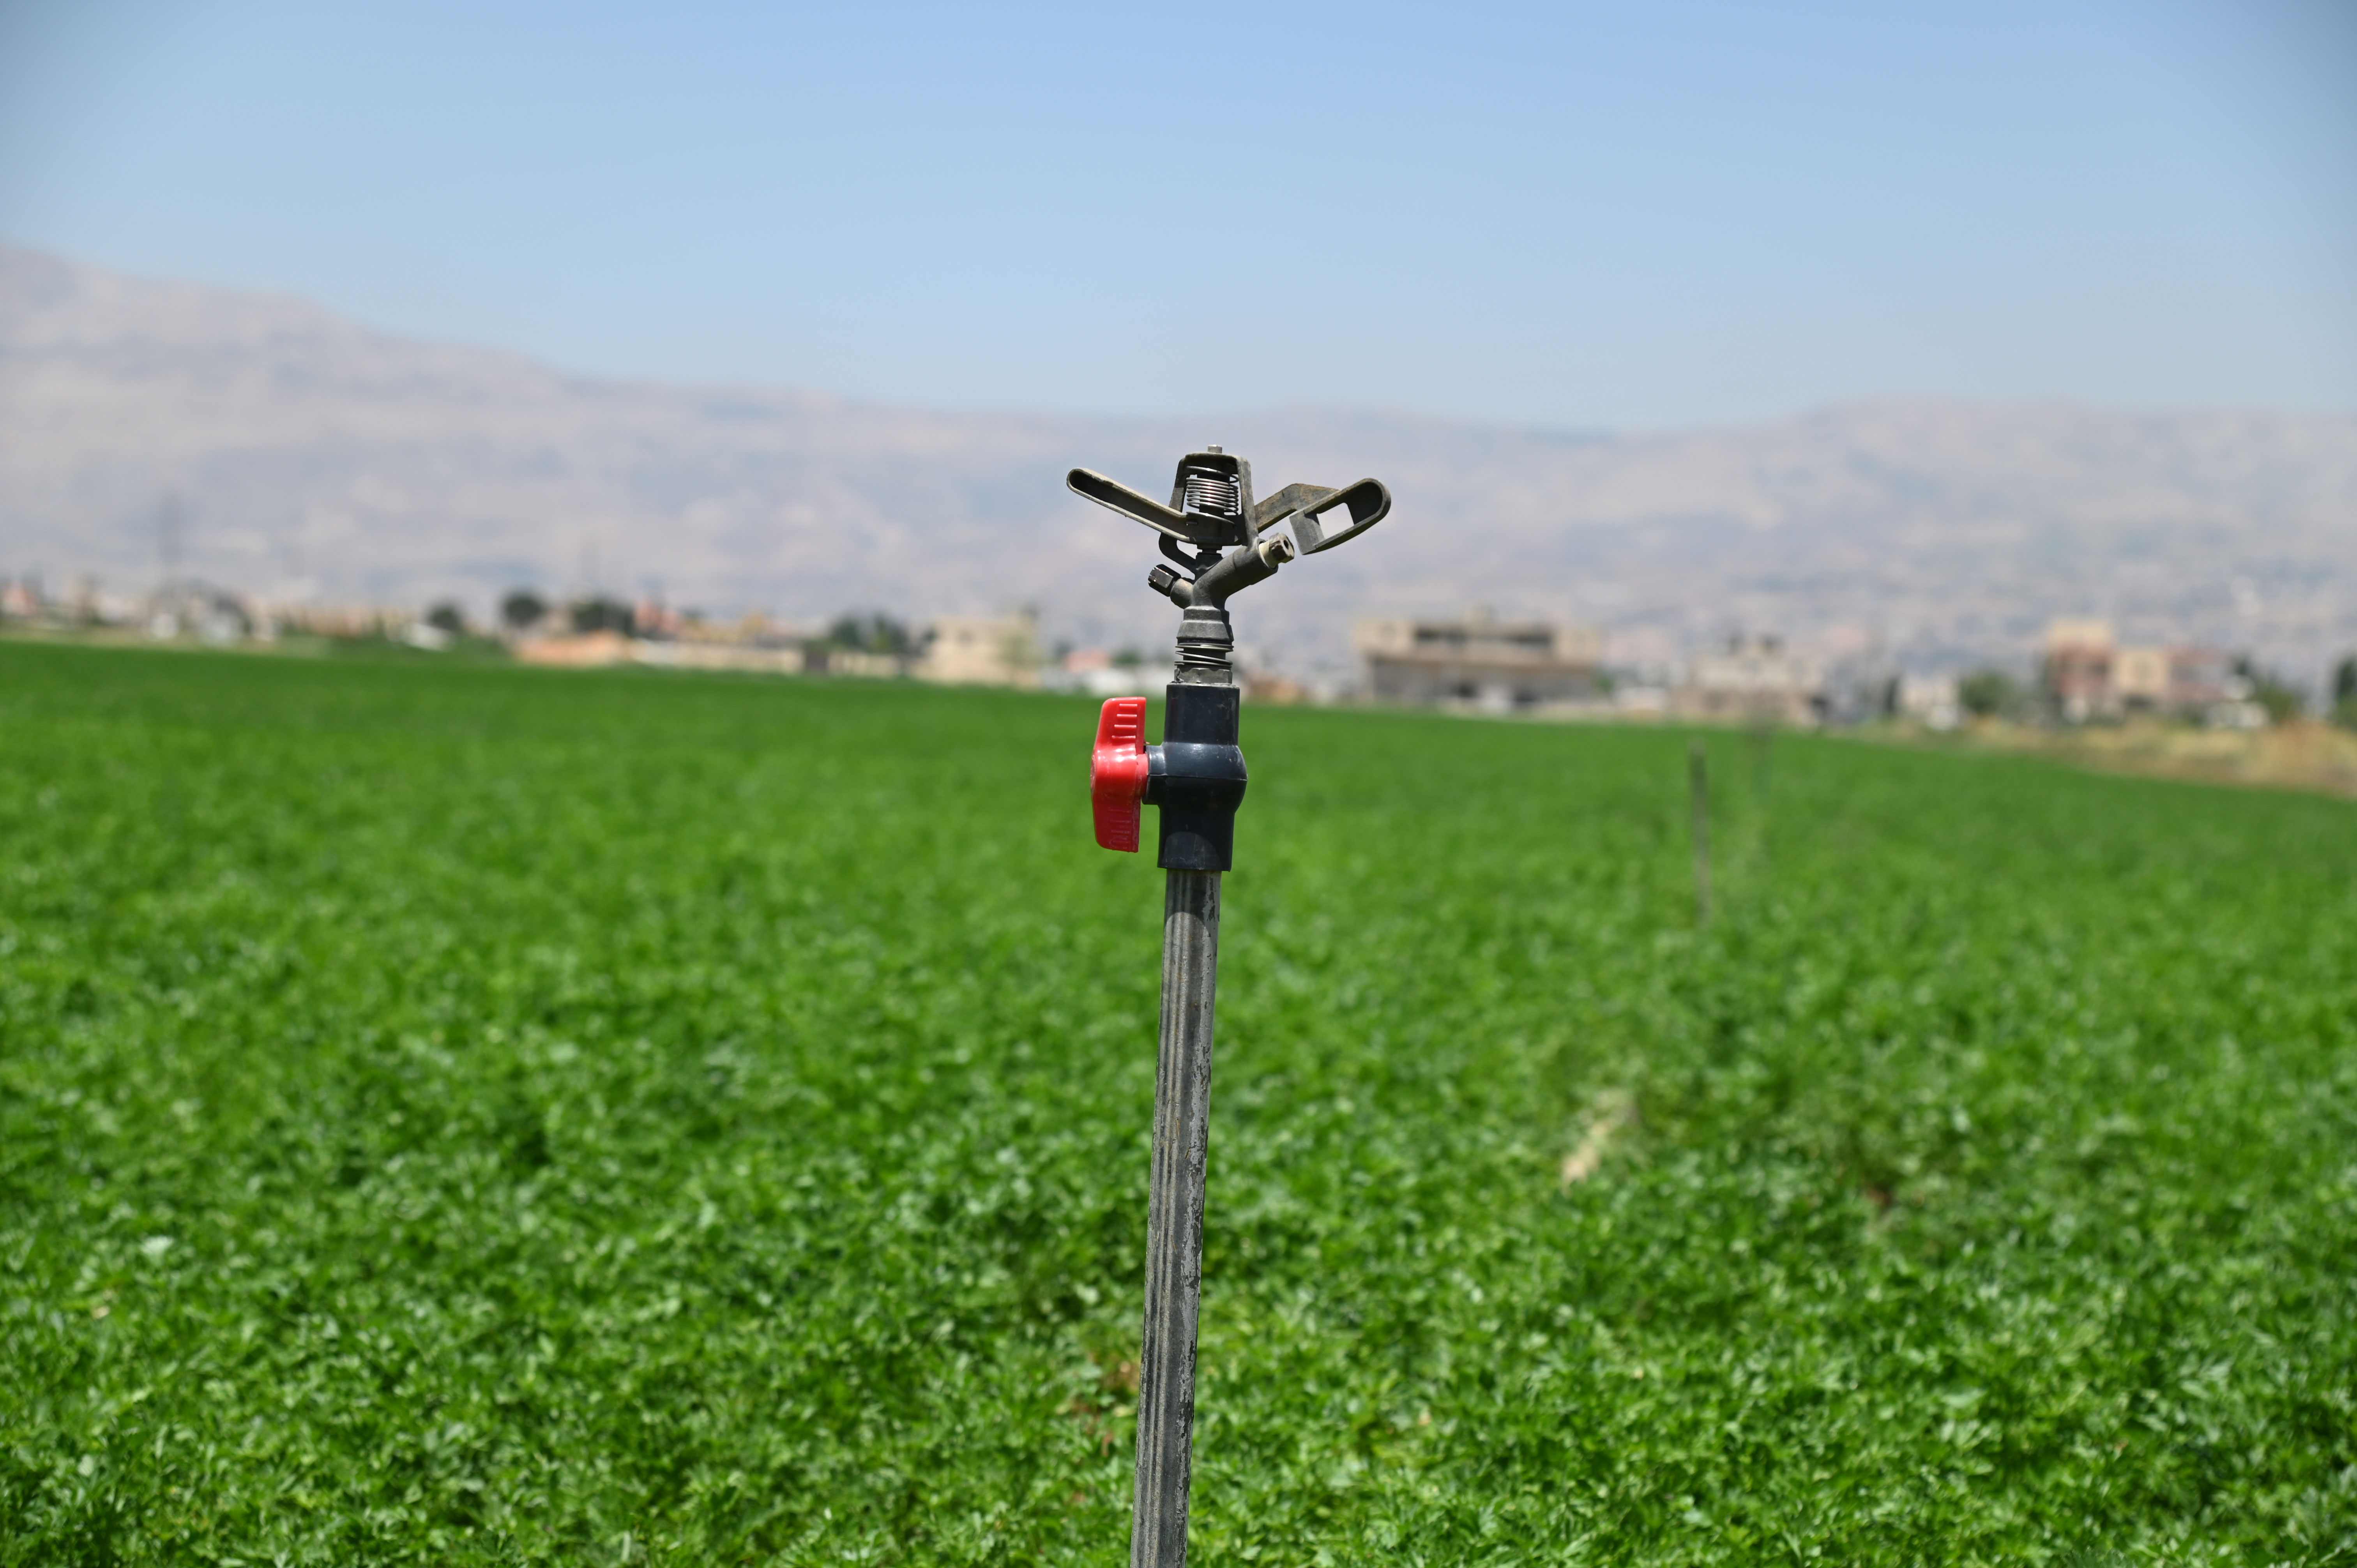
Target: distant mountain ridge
310,455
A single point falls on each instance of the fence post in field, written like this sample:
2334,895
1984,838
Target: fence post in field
1219,542
1698,788
1763,754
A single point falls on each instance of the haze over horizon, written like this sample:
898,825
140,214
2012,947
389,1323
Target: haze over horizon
1701,214
307,459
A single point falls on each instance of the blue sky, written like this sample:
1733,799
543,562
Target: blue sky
1634,216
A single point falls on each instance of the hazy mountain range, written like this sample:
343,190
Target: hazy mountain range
306,456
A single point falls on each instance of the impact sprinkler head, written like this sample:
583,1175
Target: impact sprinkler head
1220,542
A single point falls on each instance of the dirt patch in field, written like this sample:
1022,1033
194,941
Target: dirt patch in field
2307,755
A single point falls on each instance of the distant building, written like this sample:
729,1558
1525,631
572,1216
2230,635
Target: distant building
1753,678
2077,669
341,620
2140,678
650,618
2192,681
744,658
2088,676
981,650
598,650
860,662
1478,662
1931,701
189,608
577,650
1098,673
754,630
752,644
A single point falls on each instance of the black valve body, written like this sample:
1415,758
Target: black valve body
1196,776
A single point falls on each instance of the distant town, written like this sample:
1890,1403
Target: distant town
2080,675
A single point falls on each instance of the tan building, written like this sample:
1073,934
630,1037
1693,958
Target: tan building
2077,669
598,650
2140,677
1479,662
981,650
577,650
752,630
1753,678
2091,677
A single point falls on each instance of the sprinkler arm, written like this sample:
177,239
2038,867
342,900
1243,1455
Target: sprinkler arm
1348,512
1114,496
1323,518
1198,528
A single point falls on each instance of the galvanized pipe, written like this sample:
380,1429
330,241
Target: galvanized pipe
1174,1220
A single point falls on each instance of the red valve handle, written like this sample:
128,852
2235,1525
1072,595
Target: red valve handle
1117,772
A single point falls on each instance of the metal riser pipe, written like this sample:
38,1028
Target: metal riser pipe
1174,1221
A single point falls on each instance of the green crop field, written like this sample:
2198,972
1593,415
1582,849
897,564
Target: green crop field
456,1115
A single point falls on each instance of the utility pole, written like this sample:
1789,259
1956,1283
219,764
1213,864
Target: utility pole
1219,542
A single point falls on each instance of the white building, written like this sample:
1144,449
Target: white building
1753,678
1931,701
